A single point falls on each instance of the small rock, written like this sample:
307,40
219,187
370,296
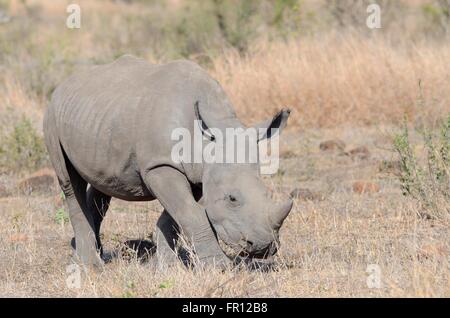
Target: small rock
287,154
392,167
18,237
430,250
304,194
3,191
360,152
332,145
41,181
365,187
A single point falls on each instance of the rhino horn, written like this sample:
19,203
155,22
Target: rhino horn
282,211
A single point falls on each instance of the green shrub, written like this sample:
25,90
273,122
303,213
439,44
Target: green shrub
61,216
428,180
437,14
22,149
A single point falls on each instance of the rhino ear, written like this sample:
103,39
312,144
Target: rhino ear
273,126
202,125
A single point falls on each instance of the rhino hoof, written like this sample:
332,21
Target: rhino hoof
218,263
89,261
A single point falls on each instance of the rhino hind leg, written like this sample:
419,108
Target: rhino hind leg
82,220
97,204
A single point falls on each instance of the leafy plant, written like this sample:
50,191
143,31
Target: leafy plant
438,15
22,149
130,290
429,181
166,284
61,216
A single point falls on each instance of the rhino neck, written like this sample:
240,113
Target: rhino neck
218,113
195,171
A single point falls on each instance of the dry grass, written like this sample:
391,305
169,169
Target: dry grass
15,103
338,79
325,250
341,82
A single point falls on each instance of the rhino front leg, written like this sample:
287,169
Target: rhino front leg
174,193
166,236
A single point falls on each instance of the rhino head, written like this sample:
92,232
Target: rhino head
237,202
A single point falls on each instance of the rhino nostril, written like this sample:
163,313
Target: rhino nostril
249,245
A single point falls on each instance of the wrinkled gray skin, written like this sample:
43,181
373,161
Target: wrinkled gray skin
110,128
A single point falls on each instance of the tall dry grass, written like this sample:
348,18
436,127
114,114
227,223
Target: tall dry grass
339,79
334,75
16,102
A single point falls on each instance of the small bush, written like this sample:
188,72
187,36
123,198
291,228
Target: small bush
437,15
61,216
22,149
427,181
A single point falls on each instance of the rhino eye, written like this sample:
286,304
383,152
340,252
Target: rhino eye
233,200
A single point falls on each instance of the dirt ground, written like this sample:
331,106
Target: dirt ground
336,241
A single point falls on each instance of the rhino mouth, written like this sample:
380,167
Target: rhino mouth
245,249
265,252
